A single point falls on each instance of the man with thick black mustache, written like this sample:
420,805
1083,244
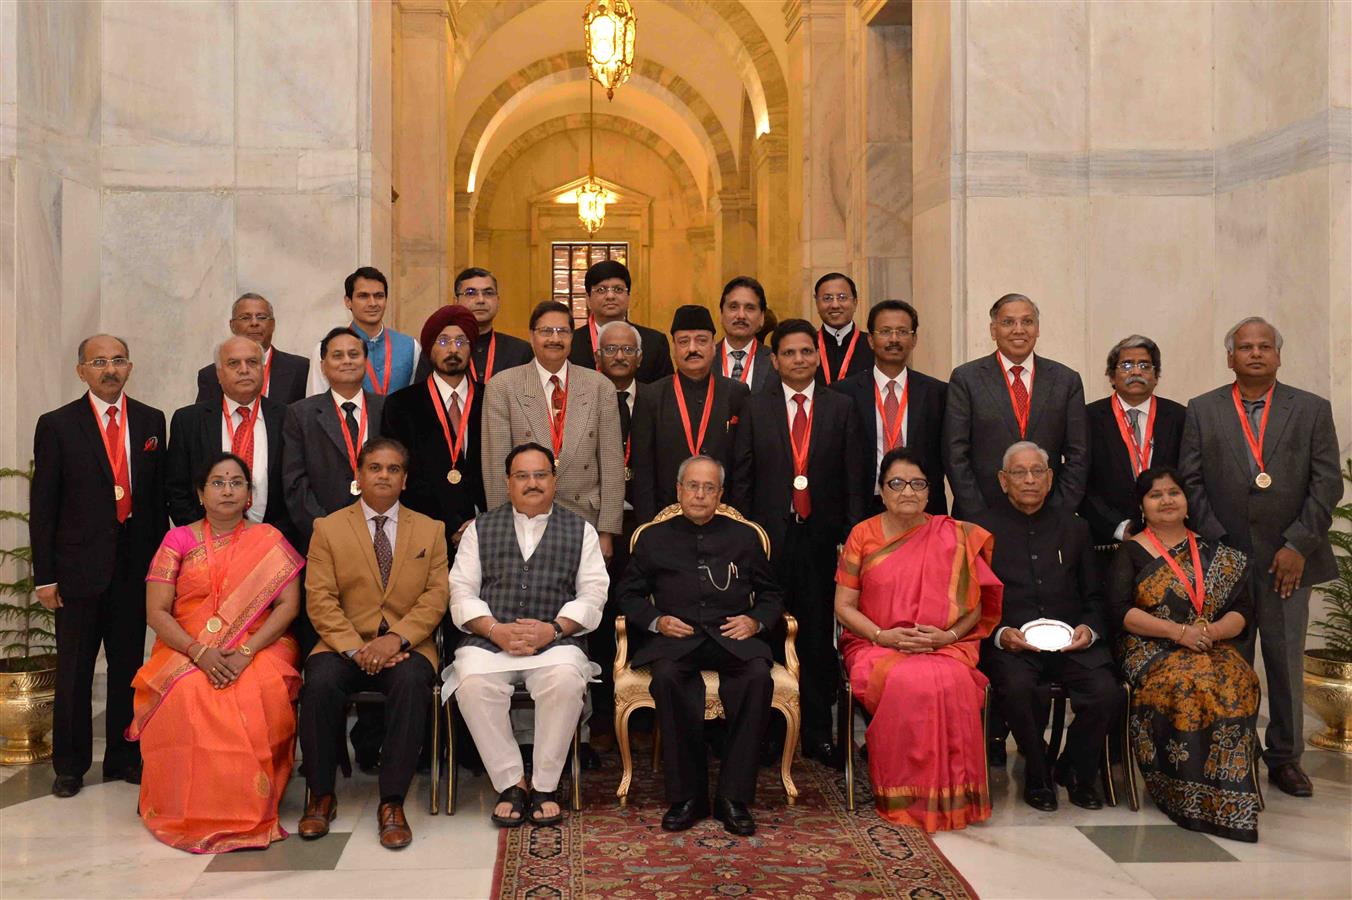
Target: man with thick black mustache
690,413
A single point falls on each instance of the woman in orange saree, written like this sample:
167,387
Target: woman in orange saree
916,595
213,704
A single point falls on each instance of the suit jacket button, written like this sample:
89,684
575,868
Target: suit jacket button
1034,556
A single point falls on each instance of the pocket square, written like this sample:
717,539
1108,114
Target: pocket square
152,445
421,553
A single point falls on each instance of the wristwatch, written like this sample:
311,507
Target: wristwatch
558,629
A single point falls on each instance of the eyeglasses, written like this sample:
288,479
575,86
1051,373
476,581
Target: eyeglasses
919,485
619,350
220,484
555,331
446,341
1035,473
1143,366
260,318
701,487
486,293
1027,322
840,298
618,290
889,333
103,362
523,477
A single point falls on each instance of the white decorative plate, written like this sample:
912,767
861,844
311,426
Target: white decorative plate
1048,634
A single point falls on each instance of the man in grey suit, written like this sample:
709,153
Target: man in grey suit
567,407
741,356
1012,396
1260,465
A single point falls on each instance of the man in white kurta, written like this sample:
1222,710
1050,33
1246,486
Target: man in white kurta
529,581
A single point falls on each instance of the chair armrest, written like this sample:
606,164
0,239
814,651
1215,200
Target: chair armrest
621,646
791,645
438,634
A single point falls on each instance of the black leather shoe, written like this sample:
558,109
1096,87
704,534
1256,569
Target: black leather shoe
67,786
683,815
1081,794
131,774
996,755
1291,779
826,753
1040,795
735,816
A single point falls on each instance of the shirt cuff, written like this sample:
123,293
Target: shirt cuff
465,611
1120,531
584,614
999,631
653,626
38,587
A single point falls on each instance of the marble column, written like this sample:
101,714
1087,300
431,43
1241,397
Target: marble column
778,250
733,213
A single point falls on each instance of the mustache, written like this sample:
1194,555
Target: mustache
893,348
1135,379
535,490
694,354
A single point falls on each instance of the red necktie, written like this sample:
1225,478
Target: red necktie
243,443
802,501
1020,393
121,477
891,409
556,400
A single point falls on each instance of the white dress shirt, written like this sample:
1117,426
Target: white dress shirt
466,605
1120,531
880,426
102,409
748,361
391,522
791,406
1026,376
359,399
444,390
544,375
260,457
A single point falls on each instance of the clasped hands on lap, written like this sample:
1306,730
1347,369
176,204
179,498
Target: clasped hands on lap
738,628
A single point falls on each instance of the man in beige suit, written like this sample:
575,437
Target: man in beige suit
567,407
376,590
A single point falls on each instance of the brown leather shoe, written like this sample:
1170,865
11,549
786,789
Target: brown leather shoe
394,831
319,812
1291,779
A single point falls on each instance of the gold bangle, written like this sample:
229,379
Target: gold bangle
876,632
955,635
199,652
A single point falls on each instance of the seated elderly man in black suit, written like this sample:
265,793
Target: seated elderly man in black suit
1044,558
701,582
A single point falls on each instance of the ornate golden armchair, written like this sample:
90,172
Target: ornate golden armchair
632,685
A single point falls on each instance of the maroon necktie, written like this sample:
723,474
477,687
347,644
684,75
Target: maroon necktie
243,443
802,501
891,409
121,477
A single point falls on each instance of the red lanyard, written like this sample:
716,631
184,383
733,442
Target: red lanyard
376,386
217,576
116,455
458,444
267,374
1196,591
347,438
230,419
891,434
800,453
685,413
1255,444
750,357
1009,386
488,364
1140,453
826,362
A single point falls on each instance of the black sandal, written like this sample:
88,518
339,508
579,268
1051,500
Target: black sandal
537,801
515,795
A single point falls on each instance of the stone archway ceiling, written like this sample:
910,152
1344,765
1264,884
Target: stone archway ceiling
728,22
649,76
690,193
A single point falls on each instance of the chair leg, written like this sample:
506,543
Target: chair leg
1058,732
1129,756
847,744
626,758
986,737
577,768
1109,789
452,771
792,726
433,807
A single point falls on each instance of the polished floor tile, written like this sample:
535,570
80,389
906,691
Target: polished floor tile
1235,881
397,884
1154,844
290,855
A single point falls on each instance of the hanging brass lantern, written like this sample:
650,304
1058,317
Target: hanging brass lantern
591,205
608,27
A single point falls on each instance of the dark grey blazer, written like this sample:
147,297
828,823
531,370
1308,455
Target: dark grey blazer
979,426
316,471
1300,452
763,374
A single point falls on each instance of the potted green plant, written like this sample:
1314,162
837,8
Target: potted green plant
27,651
1328,669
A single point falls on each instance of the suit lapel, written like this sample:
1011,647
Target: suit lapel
356,518
1233,429
535,405
89,425
1278,419
993,377
1044,385
327,416
135,458
781,419
578,411
403,545
212,428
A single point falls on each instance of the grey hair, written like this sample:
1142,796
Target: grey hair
701,457
237,337
1014,298
250,295
621,323
79,351
1251,320
1134,342
1019,447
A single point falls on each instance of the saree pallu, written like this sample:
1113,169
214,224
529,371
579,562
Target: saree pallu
926,749
1192,717
216,761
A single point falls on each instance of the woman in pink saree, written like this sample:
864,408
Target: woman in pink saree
213,704
916,595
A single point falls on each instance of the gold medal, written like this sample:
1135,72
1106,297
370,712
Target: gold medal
628,474
214,624
454,476
800,483
1263,480
118,493
355,488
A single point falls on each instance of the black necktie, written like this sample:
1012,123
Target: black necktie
624,413
353,429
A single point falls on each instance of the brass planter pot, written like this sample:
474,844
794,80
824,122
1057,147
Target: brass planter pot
26,700
1328,691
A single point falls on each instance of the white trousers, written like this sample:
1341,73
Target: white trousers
485,702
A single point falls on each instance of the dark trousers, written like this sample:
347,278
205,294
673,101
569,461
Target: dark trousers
115,619
329,678
745,688
1281,632
1021,684
805,566
601,642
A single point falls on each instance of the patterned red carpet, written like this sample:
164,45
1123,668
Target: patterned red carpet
814,849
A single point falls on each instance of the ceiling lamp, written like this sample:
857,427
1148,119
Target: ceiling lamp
608,26
591,197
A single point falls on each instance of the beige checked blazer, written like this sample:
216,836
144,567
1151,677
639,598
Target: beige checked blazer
591,463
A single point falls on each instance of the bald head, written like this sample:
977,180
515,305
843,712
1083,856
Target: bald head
239,368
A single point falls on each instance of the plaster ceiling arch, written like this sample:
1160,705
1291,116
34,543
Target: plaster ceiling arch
671,90
483,199
569,97
733,29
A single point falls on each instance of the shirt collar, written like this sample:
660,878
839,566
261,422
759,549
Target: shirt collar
232,407
1143,407
368,513
339,399
748,346
840,334
1006,363
882,381
526,520
371,338
545,374
445,390
806,392
103,407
